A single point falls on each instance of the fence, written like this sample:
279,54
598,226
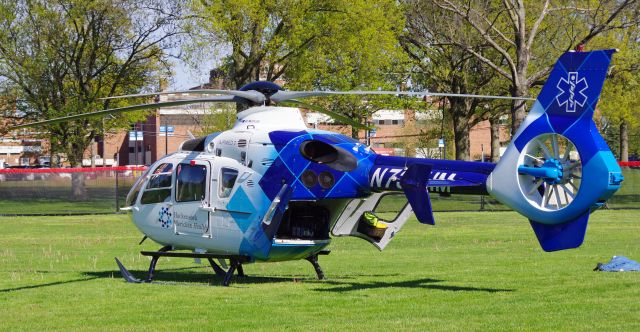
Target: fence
50,192
47,191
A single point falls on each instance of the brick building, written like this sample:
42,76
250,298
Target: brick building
397,133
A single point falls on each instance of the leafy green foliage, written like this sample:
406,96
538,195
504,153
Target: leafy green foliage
619,101
329,45
59,58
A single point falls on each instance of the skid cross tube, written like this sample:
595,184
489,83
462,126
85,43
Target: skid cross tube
313,259
236,262
154,261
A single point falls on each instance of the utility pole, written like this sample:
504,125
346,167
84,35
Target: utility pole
166,137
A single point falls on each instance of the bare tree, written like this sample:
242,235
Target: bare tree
527,36
447,67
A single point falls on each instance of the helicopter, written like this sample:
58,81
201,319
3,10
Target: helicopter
271,189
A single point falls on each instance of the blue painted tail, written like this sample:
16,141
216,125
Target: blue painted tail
558,168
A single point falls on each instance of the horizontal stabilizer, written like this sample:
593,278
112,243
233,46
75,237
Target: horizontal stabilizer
568,235
414,184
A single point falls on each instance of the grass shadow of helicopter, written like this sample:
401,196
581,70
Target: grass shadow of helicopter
178,276
55,283
424,283
198,274
173,276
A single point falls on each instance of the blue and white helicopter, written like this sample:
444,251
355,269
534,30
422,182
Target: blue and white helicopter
271,189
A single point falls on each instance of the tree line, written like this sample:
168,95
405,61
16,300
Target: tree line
62,57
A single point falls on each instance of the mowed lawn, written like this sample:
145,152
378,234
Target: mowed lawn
472,271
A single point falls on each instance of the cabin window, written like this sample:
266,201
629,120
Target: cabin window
161,177
158,188
191,182
228,178
135,190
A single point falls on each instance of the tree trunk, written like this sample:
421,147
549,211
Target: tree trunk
460,129
93,154
624,141
78,187
518,107
494,123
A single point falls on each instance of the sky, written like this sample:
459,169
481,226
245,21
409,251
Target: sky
186,77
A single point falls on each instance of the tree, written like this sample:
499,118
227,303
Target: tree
358,51
263,37
620,105
61,57
528,36
448,68
308,44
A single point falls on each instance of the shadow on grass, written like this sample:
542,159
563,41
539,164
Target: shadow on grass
193,274
201,274
424,283
6,290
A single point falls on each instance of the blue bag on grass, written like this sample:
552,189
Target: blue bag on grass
618,264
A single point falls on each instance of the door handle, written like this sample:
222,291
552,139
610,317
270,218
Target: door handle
208,208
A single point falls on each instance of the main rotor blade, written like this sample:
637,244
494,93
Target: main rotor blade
128,109
283,95
341,118
251,95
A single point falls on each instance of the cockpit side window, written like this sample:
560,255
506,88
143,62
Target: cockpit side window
135,189
158,187
228,178
191,182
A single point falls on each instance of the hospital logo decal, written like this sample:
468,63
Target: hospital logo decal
572,92
164,217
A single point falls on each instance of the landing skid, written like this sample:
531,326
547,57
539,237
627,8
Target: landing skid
236,264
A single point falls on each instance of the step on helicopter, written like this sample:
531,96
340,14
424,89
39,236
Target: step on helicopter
271,189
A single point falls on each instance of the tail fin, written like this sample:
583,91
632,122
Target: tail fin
558,167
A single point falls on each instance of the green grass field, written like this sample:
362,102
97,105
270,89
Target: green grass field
473,271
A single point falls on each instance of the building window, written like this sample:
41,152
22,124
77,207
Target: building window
158,188
394,122
228,178
191,182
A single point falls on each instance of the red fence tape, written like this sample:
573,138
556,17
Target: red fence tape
71,170
629,163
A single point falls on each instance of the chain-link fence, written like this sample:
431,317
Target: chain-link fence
51,191
65,190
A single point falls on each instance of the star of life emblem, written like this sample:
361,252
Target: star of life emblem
572,92
164,217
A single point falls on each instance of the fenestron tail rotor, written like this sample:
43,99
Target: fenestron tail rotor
550,172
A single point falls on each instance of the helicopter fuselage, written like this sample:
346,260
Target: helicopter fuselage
220,193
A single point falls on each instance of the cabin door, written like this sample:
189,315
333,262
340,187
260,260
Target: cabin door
192,201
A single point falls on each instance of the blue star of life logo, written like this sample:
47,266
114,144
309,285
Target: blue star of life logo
572,92
164,217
